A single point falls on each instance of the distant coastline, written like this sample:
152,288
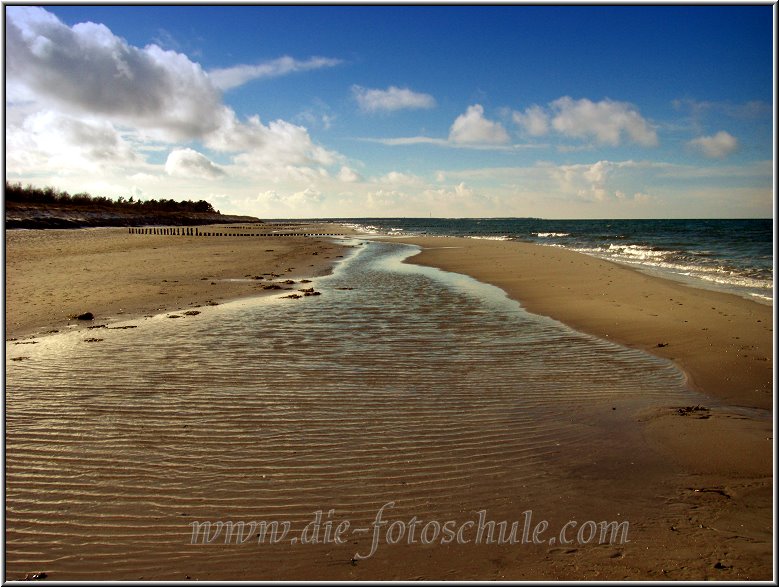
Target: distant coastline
40,208
48,216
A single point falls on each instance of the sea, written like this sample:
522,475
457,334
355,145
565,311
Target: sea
735,256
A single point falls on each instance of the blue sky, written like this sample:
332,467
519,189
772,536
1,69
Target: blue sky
316,111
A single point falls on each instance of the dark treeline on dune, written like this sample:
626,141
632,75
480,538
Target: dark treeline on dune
15,192
48,207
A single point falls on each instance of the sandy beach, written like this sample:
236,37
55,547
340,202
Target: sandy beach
52,275
722,342
695,483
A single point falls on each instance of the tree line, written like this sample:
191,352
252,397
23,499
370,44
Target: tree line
15,192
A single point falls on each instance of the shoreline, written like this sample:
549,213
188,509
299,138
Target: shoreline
52,274
721,341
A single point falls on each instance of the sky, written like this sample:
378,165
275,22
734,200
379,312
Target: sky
398,111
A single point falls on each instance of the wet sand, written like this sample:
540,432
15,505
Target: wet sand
695,486
722,342
54,274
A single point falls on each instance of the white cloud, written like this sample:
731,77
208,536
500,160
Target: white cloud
61,143
87,70
400,141
268,199
391,99
274,204
318,115
458,200
278,144
231,77
605,121
534,121
190,163
422,140
305,198
602,181
348,175
278,152
473,128
717,146
456,192
386,201
398,178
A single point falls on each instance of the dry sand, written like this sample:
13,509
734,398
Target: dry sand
54,274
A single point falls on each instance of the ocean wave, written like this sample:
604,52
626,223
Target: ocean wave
762,297
490,238
367,228
674,263
715,274
550,234
733,279
640,251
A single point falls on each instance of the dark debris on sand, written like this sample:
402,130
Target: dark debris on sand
702,411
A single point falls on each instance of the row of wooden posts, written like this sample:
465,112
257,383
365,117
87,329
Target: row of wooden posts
193,231
260,226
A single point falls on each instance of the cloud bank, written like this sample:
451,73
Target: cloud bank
86,93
